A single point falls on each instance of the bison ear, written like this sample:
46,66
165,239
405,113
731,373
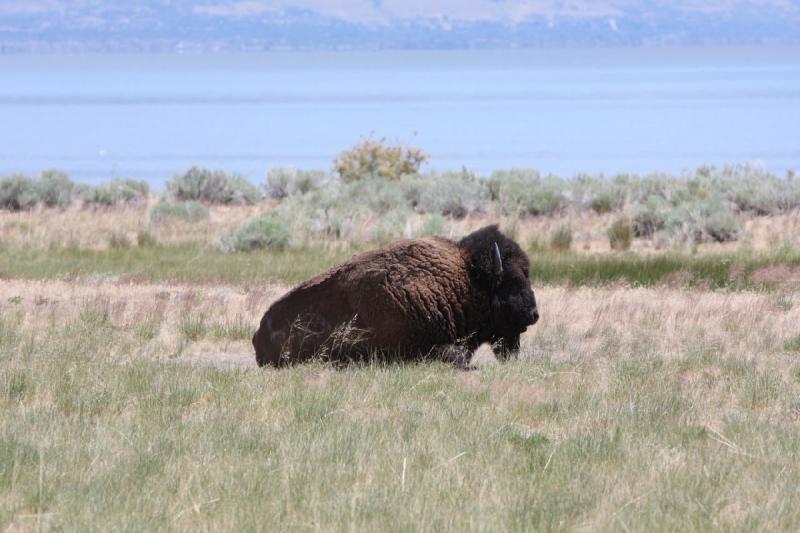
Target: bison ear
497,260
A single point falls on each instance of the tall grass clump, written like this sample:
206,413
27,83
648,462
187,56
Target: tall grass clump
213,187
117,192
372,158
620,234
145,239
561,239
264,232
793,344
190,211
119,241
282,182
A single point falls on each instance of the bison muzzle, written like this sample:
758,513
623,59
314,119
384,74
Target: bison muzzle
410,300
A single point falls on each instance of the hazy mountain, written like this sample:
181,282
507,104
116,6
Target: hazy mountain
168,25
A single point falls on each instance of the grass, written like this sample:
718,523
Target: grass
189,262
714,271
195,263
660,421
659,390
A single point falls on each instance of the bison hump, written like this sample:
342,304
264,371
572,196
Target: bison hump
416,288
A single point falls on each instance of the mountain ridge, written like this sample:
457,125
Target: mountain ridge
180,25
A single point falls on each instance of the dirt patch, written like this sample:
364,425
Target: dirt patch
207,355
368,413
677,279
519,391
778,275
134,278
319,378
471,383
705,377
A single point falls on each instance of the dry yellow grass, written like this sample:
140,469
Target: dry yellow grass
577,324
138,406
93,229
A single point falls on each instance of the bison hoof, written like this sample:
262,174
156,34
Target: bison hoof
506,348
456,355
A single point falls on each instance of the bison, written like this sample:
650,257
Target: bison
413,299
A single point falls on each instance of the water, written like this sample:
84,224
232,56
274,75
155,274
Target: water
567,111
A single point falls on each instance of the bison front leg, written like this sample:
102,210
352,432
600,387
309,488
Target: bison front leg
455,354
506,347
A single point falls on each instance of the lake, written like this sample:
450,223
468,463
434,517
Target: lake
560,111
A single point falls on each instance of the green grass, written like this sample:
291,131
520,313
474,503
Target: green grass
94,439
793,344
196,263
183,263
715,271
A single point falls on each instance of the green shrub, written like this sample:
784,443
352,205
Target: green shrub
329,212
268,231
561,239
283,182
454,194
185,211
525,192
433,225
598,193
54,188
698,220
119,191
657,185
650,217
720,222
379,195
213,186
18,192
390,227
749,188
602,203
620,234
372,159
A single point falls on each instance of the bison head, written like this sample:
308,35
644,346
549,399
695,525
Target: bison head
502,270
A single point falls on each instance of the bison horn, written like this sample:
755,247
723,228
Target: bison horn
497,260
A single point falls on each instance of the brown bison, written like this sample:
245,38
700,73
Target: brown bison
413,299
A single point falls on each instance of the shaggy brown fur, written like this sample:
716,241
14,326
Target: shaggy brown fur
408,300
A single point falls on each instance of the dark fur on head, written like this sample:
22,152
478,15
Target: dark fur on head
513,304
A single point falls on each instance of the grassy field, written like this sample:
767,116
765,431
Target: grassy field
133,407
196,263
659,391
